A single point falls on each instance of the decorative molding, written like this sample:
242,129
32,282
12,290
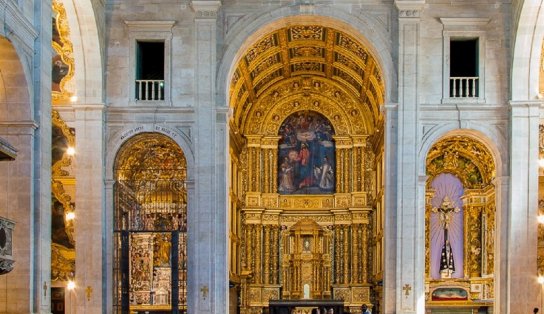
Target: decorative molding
206,9
150,26
410,9
458,22
7,152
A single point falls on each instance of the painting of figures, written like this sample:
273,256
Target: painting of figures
306,163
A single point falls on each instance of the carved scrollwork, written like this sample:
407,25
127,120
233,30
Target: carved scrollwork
464,157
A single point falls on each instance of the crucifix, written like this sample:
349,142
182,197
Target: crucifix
44,289
445,213
407,288
89,292
204,291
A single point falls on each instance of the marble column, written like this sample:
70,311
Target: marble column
410,242
521,270
208,281
90,208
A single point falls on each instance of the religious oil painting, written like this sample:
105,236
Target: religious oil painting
306,163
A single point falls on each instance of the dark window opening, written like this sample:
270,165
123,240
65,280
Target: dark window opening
464,65
150,70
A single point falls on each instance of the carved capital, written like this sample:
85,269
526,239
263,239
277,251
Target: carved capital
409,8
206,9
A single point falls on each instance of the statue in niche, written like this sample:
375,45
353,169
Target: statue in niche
306,154
445,213
162,251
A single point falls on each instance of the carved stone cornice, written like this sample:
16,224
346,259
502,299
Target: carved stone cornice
206,9
409,8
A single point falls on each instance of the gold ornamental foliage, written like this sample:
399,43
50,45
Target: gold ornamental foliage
464,157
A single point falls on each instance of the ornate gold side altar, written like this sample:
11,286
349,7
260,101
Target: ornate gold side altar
469,283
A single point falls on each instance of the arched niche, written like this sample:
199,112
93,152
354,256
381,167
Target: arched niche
150,225
460,223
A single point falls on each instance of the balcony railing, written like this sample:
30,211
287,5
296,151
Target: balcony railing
150,90
464,87
6,245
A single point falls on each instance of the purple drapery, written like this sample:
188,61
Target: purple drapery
447,185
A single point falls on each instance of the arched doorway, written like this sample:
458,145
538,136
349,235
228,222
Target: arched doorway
460,224
150,226
306,164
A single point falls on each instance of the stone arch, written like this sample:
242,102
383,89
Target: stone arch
367,29
527,51
14,91
87,45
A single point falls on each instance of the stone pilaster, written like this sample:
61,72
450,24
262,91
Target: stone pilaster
521,270
41,210
208,281
410,221
90,196
390,228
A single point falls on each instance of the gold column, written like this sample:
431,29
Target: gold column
258,253
359,167
267,254
269,147
473,248
344,173
254,158
364,252
337,255
346,254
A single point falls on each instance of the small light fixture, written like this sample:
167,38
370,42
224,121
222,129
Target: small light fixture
71,285
73,98
540,219
71,151
70,216
541,162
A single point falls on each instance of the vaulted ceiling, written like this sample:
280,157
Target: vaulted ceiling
306,51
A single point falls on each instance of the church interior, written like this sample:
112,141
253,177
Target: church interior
272,156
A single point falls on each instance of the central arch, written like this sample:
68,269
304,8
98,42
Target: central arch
306,95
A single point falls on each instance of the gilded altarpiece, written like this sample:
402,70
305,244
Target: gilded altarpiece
461,200
311,242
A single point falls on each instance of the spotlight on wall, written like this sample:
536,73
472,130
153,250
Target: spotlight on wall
73,98
71,151
70,216
71,285
540,219
541,162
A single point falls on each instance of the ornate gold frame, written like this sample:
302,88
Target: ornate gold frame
65,51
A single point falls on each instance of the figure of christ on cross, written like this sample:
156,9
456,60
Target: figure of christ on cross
445,213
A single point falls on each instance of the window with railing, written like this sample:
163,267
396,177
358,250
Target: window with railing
149,71
464,78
